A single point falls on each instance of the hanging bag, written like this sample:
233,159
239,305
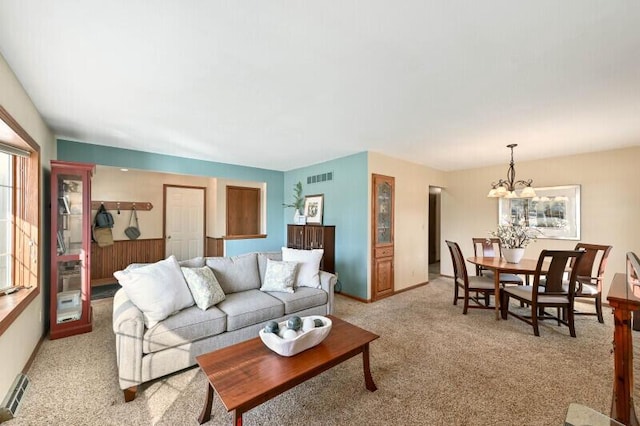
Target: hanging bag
133,231
102,236
104,219
101,229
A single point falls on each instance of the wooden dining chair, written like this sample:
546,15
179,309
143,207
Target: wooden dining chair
472,287
490,247
590,281
548,290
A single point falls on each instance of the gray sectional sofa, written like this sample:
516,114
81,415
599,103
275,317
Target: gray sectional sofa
172,344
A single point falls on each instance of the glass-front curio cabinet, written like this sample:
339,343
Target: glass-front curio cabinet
70,248
382,254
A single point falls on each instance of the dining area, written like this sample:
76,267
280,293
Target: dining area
547,286
543,287
558,292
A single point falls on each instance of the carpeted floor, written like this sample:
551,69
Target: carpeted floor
432,366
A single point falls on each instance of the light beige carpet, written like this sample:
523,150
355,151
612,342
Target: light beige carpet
432,366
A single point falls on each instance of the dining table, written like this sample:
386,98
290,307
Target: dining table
498,265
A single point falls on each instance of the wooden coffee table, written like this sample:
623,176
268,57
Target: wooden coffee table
247,374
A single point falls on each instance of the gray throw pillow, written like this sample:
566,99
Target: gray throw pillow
204,286
237,273
280,276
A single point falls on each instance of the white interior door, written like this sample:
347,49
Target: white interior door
184,224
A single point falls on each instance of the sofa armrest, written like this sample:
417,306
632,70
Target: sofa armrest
128,326
328,282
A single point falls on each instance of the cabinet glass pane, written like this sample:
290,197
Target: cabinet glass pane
384,210
68,291
69,214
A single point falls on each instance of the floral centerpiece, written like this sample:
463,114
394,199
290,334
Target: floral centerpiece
514,237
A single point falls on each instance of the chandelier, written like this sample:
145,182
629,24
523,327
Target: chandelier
507,188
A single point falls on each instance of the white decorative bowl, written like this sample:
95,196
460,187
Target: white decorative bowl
303,341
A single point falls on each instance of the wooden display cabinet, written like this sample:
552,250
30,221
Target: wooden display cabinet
382,250
70,288
307,237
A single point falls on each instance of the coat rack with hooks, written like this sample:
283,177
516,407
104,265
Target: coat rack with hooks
122,205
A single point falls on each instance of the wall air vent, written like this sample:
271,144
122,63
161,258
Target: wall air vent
323,177
12,400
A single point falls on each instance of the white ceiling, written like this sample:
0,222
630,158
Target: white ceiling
285,84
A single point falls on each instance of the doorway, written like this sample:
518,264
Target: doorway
184,224
434,231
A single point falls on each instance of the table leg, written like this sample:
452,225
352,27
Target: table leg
368,380
237,418
205,415
496,283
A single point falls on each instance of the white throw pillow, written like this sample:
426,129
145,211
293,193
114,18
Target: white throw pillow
280,276
204,286
158,289
308,265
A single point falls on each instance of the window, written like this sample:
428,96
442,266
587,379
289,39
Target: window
6,227
19,218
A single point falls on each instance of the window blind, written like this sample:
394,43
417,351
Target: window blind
12,150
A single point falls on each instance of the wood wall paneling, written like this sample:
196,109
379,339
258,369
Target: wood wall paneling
215,247
106,260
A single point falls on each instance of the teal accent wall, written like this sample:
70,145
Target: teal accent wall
346,205
118,157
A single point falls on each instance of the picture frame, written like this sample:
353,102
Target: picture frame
554,212
313,208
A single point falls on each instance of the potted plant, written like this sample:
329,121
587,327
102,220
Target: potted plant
298,204
514,238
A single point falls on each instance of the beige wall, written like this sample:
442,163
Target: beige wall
412,181
18,342
112,184
609,208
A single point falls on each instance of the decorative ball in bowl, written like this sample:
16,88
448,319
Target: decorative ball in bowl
296,334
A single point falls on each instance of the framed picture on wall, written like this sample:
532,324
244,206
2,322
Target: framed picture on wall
554,212
313,206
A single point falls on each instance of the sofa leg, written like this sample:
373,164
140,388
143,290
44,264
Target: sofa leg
130,393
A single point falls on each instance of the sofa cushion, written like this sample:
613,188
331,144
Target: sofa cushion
303,298
186,326
157,289
262,261
237,273
309,265
280,276
250,307
204,286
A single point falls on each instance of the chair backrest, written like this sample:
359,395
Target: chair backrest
459,267
592,252
486,247
559,262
